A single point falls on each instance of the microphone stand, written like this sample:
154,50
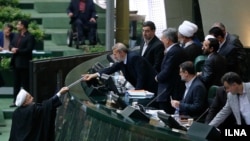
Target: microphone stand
74,83
202,115
150,102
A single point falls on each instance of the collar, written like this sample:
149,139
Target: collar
209,55
225,38
188,43
147,41
188,83
167,49
244,88
125,59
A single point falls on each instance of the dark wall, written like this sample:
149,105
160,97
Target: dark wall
48,75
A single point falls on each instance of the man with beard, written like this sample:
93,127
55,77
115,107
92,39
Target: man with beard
21,46
232,49
186,33
35,121
214,66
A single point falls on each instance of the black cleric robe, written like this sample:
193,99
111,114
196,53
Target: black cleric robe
35,122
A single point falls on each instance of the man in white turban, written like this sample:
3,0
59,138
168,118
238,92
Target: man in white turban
34,121
186,33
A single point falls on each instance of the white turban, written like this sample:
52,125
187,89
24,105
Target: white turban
187,29
194,26
209,36
21,96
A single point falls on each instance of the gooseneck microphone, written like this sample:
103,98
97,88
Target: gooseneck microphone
74,83
150,102
202,115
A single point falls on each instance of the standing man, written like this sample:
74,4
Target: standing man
238,100
135,69
82,15
169,81
231,48
194,101
151,48
21,46
214,66
5,37
186,33
35,121
218,103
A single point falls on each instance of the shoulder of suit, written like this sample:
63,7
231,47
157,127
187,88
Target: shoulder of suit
247,85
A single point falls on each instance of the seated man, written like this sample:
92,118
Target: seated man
194,101
83,14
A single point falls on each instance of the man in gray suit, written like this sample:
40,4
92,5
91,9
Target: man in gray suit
238,101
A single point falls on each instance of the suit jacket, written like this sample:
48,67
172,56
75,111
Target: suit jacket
195,101
219,102
25,44
169,78
137,71
154,53
233,51
2,38
73,7
213,69
232,106
192,51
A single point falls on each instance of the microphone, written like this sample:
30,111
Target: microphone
74,83
150,102
202,115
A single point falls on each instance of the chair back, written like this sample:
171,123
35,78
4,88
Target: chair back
199,62
211,94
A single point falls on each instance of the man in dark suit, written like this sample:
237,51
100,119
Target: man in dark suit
135,69
169,81
21,46
151,47
231,48
186,33
194,101
83,16
214,66
5,37
218,103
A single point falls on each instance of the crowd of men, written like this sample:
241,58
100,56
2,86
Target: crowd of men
164,66
168,63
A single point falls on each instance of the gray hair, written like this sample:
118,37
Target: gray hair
171,34
120,47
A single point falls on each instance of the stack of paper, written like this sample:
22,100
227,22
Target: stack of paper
140,94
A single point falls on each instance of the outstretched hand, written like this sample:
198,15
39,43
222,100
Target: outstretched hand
64,90
87,77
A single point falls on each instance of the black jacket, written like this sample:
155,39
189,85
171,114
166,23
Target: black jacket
213,69
154,53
